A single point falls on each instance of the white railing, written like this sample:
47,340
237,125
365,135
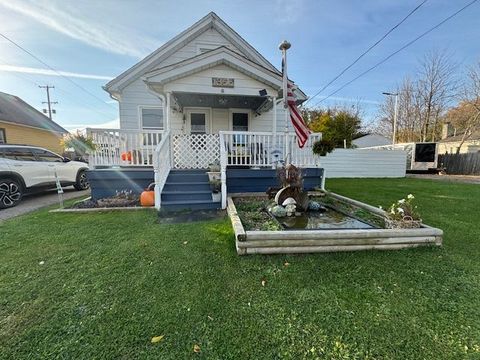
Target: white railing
161,166
265,149
119,147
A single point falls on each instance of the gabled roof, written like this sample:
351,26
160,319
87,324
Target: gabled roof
211,20
220,55
16,111
475,136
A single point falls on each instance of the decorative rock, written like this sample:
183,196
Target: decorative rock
290,208
278,211
302,201
314,206
298,213
285,193
289,201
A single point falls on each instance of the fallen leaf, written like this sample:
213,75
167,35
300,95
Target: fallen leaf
209,317
263,282
196,348
41,262
286,263
157,339
185,242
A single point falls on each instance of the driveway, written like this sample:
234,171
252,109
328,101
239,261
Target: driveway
37,201
467,179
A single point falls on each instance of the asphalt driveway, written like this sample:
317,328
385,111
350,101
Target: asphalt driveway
36,201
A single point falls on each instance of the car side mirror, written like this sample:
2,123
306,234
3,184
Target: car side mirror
65,160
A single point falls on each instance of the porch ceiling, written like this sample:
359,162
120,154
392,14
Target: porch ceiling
219,100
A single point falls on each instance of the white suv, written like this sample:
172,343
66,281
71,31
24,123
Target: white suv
28,168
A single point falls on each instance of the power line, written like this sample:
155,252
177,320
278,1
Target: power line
397,51
53,69
368,50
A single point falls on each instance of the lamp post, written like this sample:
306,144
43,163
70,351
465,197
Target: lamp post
395,115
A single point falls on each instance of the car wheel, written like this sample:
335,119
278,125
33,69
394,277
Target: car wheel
82,181
11,193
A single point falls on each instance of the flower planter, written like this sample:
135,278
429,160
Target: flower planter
213,175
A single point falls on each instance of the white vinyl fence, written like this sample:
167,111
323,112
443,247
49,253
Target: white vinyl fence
364,163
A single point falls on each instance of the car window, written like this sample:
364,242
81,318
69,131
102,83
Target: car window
18,153
45,155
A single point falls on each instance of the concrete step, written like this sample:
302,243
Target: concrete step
190,205
186,196
186,186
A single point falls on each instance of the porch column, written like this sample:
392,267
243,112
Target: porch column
167,112
274,130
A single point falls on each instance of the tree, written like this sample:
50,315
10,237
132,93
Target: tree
422,101
465,117
339,124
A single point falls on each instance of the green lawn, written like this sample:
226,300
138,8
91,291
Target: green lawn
112,281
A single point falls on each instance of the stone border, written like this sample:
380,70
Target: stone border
312,241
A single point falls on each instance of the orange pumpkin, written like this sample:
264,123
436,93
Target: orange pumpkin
126,156
147,197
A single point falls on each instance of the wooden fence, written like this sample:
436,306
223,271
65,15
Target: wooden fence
460,164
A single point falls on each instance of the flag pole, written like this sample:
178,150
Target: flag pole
284,46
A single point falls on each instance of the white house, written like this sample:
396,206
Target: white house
370,140
205,96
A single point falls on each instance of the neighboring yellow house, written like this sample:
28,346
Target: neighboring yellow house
20,123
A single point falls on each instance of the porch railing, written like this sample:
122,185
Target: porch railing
162,164
117,147
265,149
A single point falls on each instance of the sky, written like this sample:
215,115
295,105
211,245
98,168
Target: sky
89,42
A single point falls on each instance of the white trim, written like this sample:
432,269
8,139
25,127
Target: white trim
211,59
140,116
209,21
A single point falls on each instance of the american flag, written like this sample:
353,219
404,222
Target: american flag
301,129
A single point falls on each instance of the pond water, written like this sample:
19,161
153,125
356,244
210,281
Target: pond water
329,219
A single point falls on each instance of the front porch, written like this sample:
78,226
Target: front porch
158,153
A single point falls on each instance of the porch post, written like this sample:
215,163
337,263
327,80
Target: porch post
274,130
167,112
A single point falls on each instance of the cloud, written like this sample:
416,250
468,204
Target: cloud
48,72
111,37
289,11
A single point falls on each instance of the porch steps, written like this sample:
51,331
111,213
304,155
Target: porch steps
187,189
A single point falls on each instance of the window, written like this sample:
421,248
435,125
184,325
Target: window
44,155
18,153
240,122
197,123
152,118
3,136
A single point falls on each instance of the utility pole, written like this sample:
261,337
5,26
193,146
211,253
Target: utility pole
50,103
395,115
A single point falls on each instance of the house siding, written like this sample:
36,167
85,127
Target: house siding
136,94
16,134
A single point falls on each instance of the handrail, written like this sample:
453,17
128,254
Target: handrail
161,166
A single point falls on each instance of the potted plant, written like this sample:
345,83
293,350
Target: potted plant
214,171
216,186
403,215
323,147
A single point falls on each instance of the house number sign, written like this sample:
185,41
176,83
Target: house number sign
223,82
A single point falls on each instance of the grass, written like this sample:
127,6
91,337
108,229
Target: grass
112,281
